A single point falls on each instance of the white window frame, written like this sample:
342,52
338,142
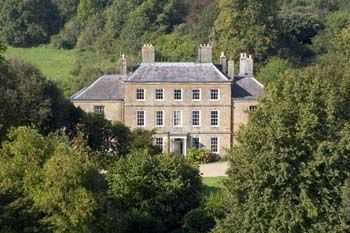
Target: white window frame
199,142
155,142
155,118
182,94
218,125
144,118
200,118
144,94
99,107
181,118
200,94
253,108
155,94
218,145
218,99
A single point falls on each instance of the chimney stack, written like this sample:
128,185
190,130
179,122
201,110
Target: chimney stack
231,69
205,53
148,53
223,62
123,65
250,66
246,65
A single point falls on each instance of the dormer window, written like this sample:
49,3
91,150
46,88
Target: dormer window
140,94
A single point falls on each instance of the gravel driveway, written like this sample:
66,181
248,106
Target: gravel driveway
213,169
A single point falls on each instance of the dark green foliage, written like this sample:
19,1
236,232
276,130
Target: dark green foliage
152,192
289,169
28,22
143,140
27,98
198,221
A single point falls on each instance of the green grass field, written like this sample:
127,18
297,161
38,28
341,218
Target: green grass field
212,185
55,64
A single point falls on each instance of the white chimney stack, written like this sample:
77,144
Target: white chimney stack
246,65
205,53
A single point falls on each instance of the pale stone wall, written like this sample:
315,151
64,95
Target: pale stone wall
113,109
241,113
187,105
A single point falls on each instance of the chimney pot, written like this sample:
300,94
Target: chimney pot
123,65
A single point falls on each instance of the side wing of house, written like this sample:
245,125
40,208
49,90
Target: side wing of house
104,96
245,93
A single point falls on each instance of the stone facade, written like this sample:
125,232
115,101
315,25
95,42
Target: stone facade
213,104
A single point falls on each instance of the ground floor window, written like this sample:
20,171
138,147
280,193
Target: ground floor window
159,142
195,142
214,144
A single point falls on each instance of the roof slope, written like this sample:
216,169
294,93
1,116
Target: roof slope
107,87
177,72
245,87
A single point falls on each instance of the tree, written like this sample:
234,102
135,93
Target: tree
288,171
246,26
273,70
46,185
27,98
152,193
28,22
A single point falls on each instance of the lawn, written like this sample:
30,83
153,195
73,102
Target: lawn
212,185
54,63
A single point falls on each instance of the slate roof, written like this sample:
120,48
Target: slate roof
244,87
177,72
107,87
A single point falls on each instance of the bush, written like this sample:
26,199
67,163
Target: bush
161,187
210,157
198,221
195,155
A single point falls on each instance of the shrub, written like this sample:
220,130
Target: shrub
195,155
210,157
198,221
162,187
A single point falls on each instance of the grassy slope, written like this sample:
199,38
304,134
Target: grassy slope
55,64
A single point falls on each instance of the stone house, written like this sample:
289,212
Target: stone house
188,104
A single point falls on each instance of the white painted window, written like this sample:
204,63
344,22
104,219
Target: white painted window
196,118
159,142
196,142
177,118
140,94
214,94
214,144
140,118
196,94
159,94
99,109
214,118
178,94
253,108
159,118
